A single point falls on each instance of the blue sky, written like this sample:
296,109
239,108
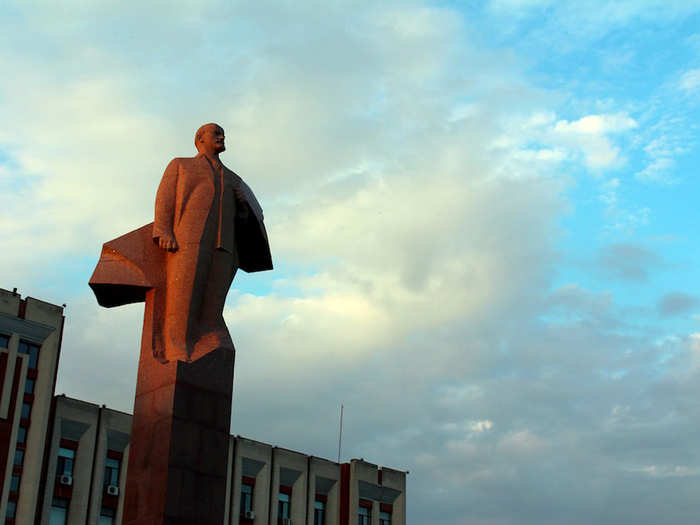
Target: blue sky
482,216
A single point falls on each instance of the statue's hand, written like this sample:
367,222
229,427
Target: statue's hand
168,242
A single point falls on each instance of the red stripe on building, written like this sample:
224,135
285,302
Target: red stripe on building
113,454
345,494
3,369
6,424
69,443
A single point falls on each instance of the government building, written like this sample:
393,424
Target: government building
64,460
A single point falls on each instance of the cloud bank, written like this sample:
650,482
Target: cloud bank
414,183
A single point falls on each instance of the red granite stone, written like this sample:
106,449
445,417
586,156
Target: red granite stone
207,225
175,453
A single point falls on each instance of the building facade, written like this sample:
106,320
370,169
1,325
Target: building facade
65,460
30,344
86,464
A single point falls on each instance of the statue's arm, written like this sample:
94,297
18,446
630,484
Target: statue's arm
245,194
165,208
242,208
251,237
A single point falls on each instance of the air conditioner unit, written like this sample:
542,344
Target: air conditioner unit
112,490
249,515
286,521
63,479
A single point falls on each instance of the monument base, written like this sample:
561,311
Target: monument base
179,441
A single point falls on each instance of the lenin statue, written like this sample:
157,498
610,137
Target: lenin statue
201,206
208,224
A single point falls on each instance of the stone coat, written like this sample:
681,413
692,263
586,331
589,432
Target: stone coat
184,200
185,290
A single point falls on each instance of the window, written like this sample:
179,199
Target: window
19,458
26,410
66,456
319,513
11,510
106,516
21,435
29,386
59,511
364,516
384,518
283,507
4,341
246,497
32,351
14,483
112,471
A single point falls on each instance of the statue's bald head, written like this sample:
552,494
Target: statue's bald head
209,138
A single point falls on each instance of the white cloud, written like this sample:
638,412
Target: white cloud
570,25
539,143
590,135
481,426
413,192
521,443
690,80
597,124
667,471
661,153
694,348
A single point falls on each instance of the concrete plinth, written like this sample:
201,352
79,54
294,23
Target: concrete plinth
179,441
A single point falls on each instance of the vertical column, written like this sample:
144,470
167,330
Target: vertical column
179,447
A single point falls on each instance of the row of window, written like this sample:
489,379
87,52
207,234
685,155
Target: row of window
32,351
59,513
64,468
364,517
284,507
66,458
283,504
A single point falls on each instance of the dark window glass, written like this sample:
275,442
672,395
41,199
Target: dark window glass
66,456
19,458
283,507
14,483
61,503
319,513
22,435
106,516
384,518
26,410
11,510
32,351
4,341
59,512
112,471
364,516
246,498
29,386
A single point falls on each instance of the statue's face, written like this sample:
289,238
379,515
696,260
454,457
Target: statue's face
212,139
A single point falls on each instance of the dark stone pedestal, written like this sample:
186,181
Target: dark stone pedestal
179,441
